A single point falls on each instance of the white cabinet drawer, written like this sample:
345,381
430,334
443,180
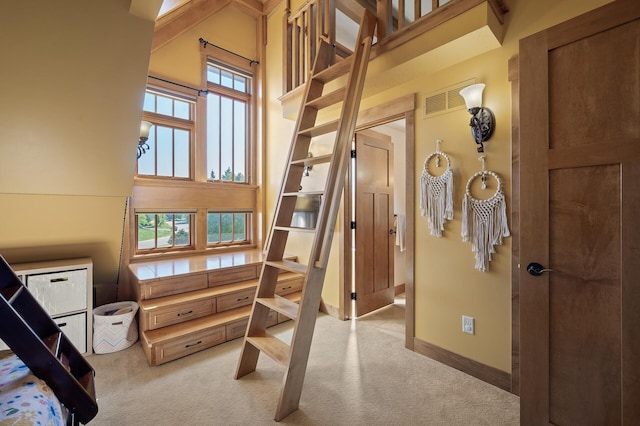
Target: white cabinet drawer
75,328
60,292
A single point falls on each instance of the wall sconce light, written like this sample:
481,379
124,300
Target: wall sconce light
307,167
482,119
145,126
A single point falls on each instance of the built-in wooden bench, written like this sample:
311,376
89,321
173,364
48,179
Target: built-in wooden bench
190,304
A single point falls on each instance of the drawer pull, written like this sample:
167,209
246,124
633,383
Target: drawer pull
57,280
286,288
117,323
62,324
240,299
182,314
193,344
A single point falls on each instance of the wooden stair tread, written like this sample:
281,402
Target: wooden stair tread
149,305
334,71
310,161
303,194
153,337
287,265
320,129
294,229
270,345
281,305
329,99
155,270
177,330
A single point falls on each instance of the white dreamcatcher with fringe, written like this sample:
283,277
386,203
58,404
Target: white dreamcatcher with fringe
484,222
436,193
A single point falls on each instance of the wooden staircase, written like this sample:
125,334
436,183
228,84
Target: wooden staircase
36,339
294,356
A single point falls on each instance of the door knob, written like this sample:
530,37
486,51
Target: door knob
537,269
392,231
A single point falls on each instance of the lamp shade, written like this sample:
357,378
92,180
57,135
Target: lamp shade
473,95
145,126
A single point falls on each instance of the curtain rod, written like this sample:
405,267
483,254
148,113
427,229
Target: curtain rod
200,91
205,43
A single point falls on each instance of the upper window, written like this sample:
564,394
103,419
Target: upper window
227,123
170,139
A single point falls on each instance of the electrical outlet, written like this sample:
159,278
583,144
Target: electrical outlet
468,325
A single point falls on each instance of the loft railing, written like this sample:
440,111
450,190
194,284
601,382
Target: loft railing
316,20
303,30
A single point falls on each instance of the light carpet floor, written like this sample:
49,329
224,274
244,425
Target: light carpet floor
359,373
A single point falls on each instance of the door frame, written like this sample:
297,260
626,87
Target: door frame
397,109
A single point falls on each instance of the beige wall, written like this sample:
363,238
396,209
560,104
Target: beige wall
72,80
180,58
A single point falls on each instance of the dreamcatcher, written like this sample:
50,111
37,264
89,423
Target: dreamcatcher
436,193
484,222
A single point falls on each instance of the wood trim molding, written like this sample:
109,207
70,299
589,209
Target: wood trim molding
397,109
491,375
513,73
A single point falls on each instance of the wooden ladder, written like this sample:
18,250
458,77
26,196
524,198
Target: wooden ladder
38,341
294,356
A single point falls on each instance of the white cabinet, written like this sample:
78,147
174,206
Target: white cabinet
64,288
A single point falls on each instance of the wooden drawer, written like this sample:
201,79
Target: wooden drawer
237,329
170,350
289,286
166,287
226,276
235,300
175,314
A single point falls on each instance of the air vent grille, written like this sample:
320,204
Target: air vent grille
435,103
445,100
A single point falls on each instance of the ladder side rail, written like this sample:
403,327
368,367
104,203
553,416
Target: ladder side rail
344,136
322,61
35,354
26,340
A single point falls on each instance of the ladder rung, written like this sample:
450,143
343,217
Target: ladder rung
310,161
288,265
337,70
271,345
53,342
303,194
321,129
294,229
329,99
281,305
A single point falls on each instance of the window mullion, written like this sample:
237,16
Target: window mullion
233,143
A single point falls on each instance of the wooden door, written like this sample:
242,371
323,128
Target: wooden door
374,222
580,216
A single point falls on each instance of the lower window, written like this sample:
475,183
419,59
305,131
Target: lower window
226,228
164,231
